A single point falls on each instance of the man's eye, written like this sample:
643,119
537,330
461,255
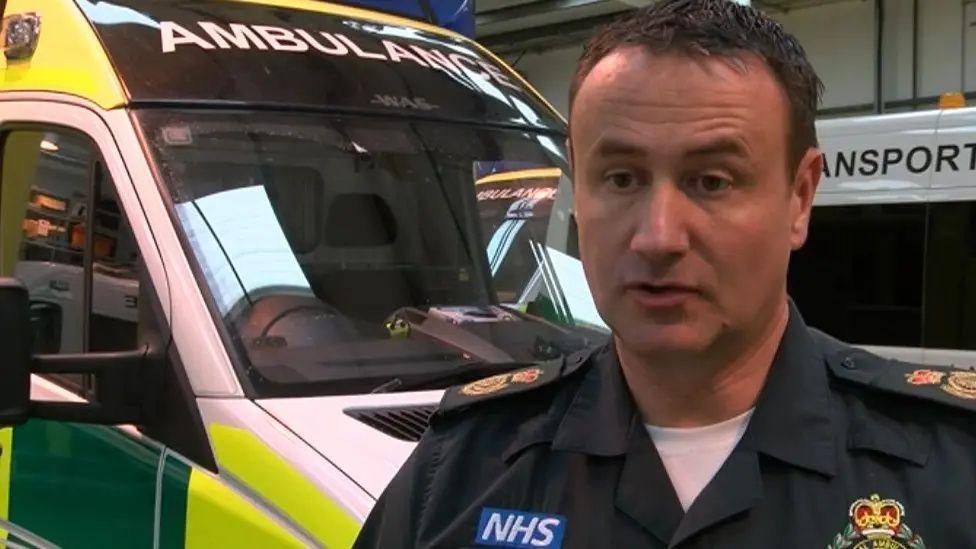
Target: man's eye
620,181
710,184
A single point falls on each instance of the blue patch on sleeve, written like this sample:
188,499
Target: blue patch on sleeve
511,528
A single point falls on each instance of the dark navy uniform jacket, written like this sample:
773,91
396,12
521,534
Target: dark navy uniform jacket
844,450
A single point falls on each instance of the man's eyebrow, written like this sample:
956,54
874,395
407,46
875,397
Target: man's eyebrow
720,146
613,146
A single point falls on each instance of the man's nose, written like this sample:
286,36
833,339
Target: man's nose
661,231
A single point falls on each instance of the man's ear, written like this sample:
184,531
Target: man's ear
804,188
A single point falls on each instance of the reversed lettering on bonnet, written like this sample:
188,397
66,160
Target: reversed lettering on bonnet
403,102
512,528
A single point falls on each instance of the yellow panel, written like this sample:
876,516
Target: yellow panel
69,58
7,447
216,516
22,150
274,479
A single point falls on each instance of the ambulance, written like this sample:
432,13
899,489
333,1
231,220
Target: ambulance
244,247
890,263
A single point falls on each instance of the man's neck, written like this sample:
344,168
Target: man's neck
705,389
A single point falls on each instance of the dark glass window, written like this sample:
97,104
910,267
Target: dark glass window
859,276
115,273
950,288
63,234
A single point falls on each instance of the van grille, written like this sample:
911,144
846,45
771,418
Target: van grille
403,422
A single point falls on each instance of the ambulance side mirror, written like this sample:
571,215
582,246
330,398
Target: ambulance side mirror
15,348
124,382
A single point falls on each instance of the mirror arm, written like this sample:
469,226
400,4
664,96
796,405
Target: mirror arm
122,385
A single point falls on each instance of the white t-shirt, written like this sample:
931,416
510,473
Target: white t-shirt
693,455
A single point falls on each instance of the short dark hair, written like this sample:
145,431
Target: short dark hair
723,28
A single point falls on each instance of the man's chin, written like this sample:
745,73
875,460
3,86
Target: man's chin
674,340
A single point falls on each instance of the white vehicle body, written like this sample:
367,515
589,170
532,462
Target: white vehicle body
915,165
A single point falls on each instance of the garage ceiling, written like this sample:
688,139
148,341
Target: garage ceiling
510,26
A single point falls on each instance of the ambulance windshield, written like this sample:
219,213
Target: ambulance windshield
347,254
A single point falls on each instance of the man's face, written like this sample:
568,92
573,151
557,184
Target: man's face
686,203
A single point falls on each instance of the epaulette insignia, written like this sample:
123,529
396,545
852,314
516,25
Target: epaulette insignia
960,383
516,381
498,382
944,384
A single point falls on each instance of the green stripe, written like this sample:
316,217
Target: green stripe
172,519
83,486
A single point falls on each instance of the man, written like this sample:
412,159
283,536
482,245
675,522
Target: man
715,418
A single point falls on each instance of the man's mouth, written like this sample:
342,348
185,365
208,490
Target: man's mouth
660,295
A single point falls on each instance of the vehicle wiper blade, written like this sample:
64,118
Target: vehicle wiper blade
469,371
453,335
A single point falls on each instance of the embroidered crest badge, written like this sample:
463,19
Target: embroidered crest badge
526,376
875,523
924,377
496,383
961,384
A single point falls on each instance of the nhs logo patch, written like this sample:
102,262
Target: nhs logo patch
510,528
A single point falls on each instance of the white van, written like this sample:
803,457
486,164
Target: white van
890,263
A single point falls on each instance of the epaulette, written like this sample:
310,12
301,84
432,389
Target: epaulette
517,381
943,384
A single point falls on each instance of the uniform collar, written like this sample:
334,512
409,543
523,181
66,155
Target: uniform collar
793,421
598,419
582,414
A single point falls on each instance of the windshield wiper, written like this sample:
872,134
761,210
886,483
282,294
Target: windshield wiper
468,371
453,335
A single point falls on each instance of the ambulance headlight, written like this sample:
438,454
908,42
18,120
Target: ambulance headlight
19,34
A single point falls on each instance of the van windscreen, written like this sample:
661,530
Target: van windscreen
347,253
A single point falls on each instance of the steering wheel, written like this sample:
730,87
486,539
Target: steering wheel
281,319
